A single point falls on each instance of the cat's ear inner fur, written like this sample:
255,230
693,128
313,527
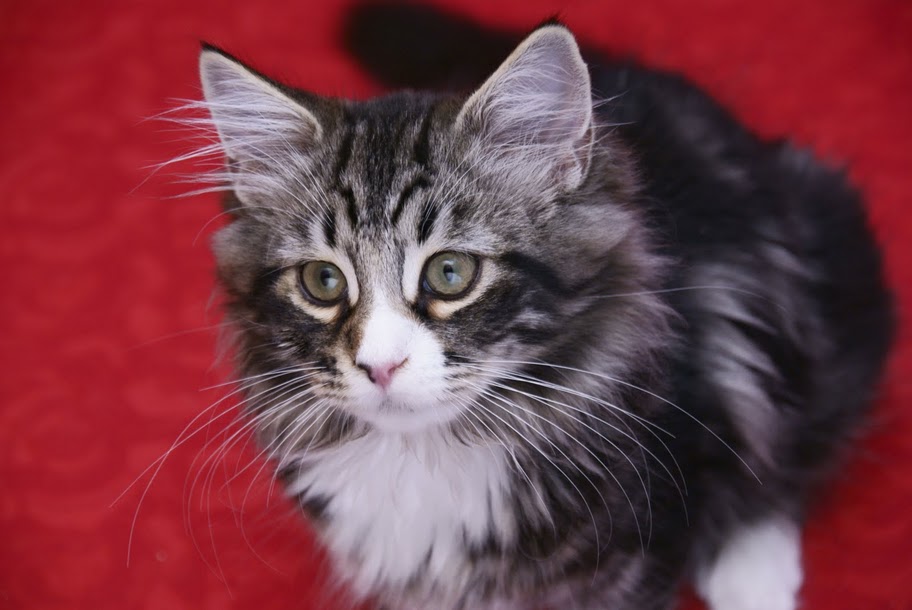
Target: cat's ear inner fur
536,109
259,125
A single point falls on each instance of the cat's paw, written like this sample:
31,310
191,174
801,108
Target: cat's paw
758,569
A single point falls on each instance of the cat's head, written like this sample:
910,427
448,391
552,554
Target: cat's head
390,263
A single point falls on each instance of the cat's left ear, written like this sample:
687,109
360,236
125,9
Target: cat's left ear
535,111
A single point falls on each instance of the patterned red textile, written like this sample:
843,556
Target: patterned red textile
107,334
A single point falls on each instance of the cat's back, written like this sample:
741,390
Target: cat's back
785,316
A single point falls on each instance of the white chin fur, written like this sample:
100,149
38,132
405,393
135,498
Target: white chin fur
398,418
402,503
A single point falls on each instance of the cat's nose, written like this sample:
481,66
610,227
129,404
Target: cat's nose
381,374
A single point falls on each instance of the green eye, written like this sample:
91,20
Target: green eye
323,282
450,274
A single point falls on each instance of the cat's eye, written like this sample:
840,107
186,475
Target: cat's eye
322,282
450,275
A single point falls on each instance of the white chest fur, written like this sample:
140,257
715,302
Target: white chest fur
399,503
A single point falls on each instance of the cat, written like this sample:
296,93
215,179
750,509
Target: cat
524,348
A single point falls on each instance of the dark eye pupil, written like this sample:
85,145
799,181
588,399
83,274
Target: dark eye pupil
449,272
327,277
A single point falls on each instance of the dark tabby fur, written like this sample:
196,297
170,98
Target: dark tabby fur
713,305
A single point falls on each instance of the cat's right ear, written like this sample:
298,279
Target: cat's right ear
260,127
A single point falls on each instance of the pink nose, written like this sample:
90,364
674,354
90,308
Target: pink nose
382,374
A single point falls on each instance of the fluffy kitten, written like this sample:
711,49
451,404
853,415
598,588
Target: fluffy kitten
517,350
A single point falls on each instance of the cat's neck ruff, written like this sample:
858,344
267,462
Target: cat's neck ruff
399,505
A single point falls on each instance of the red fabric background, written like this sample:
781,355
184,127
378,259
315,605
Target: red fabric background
106,334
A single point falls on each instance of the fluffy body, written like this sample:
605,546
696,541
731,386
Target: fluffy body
674,330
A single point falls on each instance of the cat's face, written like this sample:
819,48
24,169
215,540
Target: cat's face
390,260
389,273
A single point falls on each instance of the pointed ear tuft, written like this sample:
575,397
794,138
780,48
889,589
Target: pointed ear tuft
256,121
535,111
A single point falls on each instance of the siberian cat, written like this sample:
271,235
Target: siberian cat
527,349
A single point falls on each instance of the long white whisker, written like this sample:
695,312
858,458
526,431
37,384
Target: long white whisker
645,391
686,289
314,413
216,458
514,404
157,465
544,455
516,463
555,405
507,375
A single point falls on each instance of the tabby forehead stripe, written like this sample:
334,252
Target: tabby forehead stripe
345,150
351,209
421,151
329,227
421,182
342,161
426,221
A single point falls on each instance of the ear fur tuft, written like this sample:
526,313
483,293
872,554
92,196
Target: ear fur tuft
536,108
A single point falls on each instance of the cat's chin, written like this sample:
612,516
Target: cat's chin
404,419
